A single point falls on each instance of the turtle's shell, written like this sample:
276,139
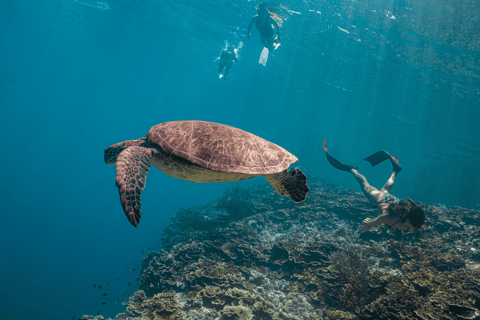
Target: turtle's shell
220,147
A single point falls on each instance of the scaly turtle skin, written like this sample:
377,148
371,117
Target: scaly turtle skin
201,151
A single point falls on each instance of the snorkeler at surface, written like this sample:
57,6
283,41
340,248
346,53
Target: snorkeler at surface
227,58
266,23
402,215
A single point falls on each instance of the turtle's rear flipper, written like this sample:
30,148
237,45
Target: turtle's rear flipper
380,156
295,182
292,184
131,168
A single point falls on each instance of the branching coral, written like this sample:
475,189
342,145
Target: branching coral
353,274
235,201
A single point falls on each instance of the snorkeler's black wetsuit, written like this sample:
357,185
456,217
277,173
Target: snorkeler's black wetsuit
265,29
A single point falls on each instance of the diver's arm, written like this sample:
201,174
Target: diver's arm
370,223
254,19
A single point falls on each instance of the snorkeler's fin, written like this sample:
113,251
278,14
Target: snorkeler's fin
380,156
264,56
334,162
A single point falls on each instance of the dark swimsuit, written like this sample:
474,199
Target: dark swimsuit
265,29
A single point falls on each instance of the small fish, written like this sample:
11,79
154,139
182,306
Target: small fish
105,294
114,298
129,283
134,269
98,312
104,303
116,279
99,287
94,285
108,283
73,317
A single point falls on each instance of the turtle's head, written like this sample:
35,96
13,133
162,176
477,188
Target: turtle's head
111,153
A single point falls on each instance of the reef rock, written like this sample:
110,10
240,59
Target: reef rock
255,255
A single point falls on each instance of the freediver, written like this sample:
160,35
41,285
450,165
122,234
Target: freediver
402,215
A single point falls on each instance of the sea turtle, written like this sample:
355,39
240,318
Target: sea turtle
201,151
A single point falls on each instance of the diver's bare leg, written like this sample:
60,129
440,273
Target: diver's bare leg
227,68
390,182
370,192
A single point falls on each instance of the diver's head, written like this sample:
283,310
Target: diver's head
262,9
415,215
111,153
408,211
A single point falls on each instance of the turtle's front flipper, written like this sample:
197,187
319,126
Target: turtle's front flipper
292,184
132,167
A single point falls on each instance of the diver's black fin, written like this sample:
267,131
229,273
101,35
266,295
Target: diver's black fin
335,163
377,157
380,156
340,165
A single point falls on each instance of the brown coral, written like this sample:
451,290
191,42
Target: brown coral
164,306
276,262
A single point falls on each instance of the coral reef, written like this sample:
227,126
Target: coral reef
354,276
255,255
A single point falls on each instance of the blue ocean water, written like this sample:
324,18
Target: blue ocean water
79,76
